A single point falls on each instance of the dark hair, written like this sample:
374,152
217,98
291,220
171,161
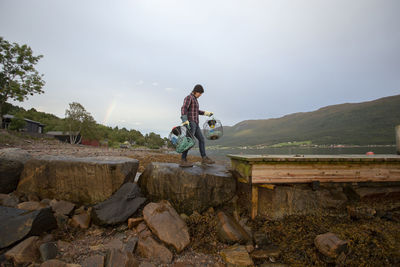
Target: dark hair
198,89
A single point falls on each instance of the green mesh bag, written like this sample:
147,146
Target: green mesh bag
184,143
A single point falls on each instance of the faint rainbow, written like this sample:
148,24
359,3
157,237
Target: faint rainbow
109,111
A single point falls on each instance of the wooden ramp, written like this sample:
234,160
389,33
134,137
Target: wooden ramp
267,170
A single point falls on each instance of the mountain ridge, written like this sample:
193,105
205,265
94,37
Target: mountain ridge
369,122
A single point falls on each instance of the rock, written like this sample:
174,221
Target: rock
359,213
81,220
11,200
330,245
94,261
48,251
166,224
150,249
133,222
230,231
12,162
24,252
114,244
184,217
261,240
147,264
53,263
237,255
118,258
141,227
294,199
16,224
130,245
271,251
188,189
375,189
80,180
62,220
119,207
62,207
31,205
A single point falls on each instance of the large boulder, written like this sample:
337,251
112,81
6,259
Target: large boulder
230,231
80,180
119,207
166,224
188,189
12,162
16,224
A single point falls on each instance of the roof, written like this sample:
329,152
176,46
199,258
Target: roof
8,116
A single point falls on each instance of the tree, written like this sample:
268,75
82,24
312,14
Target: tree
17,123
79,123
18,76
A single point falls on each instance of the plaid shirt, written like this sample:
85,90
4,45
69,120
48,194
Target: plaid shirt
191,108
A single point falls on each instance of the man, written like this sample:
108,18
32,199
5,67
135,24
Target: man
190,117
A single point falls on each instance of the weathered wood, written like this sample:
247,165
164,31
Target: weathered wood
398,139
267,169
322,172
254,201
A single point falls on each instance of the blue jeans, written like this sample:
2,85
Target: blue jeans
196,131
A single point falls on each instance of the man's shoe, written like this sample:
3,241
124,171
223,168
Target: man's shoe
185,164
207,160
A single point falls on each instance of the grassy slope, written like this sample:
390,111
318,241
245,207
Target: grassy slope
363,123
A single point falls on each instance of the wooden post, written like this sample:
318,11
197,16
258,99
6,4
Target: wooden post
398,139
254,201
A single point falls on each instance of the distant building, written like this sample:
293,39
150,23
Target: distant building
62,136
30,127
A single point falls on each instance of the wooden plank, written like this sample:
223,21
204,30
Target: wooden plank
316,158
305,173
254,201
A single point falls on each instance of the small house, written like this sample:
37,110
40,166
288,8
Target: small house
30,127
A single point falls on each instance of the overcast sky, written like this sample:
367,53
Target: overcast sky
131,63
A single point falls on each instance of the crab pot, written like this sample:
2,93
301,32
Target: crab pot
181,138
212,129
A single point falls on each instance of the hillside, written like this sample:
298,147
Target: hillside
371,122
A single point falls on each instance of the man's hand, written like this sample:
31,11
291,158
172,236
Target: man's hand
187,124
208,113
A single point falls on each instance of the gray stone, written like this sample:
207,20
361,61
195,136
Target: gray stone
119,207
237,255
330,245
62,207
166,224
48,251
118,258
12,200
31,205
12,162
24,252
150,249
94,261
79,180
16,224
188,189
130,245
230,231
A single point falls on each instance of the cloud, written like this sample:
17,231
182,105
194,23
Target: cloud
140,82
169,89
155,84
